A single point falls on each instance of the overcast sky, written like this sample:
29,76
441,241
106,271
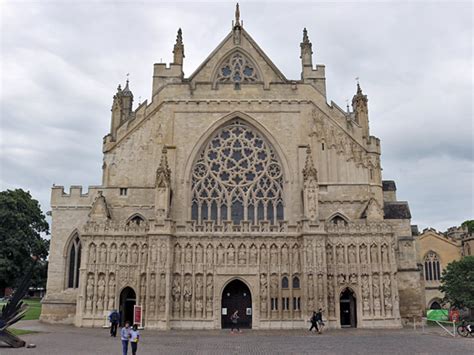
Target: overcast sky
61,62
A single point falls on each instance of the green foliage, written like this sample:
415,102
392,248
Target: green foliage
34,308
457,283
469,224
21,225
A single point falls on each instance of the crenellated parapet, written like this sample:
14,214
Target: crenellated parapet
75,197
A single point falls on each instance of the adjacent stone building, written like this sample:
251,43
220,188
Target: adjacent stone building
235,189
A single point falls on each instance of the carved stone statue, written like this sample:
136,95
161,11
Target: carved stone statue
253,255
376,294
341,279
384,253
177,254
152,285
134,254
230,255
89,293
123,254
220,255
187,293
353,279
176,294
374,259
101,293
242,255
209,255
329,258
188,254
209,294
274,285
113,254
340,254
144,255
284,255
310,286
92,254
263,256
102,254
352,254
111,292
199,254
365,294
273,255
330,295
363,254
296,256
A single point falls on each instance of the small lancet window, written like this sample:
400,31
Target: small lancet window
296,282
74,262
284,282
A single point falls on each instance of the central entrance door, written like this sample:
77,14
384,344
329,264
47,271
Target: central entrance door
127,301
236,297
348,309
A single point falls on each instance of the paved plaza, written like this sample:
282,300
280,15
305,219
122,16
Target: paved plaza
54,340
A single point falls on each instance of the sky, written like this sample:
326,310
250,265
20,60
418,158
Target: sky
61,62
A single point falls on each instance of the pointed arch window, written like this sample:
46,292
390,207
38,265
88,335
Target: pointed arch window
74,262
296,282
284,282
237,176
432,267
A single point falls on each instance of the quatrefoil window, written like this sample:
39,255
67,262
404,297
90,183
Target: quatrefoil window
237,177
237,69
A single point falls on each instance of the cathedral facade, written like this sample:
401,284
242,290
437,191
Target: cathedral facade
235,189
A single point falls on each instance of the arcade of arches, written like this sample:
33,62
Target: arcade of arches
235,189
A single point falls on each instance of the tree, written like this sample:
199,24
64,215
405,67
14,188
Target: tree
457,283
21,224
469,224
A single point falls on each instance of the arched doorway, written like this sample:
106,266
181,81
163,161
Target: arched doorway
435,305
348,309
236,296
127,301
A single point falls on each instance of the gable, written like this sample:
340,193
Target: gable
238,42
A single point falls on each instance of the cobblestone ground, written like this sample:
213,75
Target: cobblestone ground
54,340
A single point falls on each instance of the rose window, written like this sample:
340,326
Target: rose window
237,176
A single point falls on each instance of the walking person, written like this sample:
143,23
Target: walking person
319,320
314,322
125,337
114,318
134,337
234,318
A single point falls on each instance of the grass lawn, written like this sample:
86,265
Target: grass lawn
19,332
34,309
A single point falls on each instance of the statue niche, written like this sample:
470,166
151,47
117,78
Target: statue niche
310,188
163,188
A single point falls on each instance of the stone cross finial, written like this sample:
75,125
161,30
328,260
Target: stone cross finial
305,35
178,50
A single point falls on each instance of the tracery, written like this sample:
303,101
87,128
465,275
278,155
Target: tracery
237,176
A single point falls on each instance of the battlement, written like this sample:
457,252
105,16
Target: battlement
75,197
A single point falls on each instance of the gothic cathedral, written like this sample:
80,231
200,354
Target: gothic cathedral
235,189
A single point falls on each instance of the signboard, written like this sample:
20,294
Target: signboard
248,311
437,314
137,315
224,311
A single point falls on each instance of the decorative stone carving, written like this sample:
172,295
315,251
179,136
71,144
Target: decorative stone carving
143,290
365,295
340,254
220,254
187,293
374,257
188,254
273,255
310,188
284,255
177,254
99,211
102,254
199,254
274,285
163,293
341,279
176,294
329,257
162,187
374,212
263,293
242,255
331,306
384,253
230,255
263,255
210,255
376,294
352,254
363,254
134,254
111,292
92,254
113,254
353,279
89,292
296,257
253,255
123,253
320,291
209,294
199,295
101,293
163,254
144,255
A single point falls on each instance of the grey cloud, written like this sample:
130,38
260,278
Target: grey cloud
62,61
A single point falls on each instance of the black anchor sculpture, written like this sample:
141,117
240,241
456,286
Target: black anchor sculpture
15,310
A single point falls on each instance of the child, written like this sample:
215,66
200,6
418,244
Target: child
134,336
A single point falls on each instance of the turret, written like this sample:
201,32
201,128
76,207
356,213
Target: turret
317,76
121,108
361,111
162,74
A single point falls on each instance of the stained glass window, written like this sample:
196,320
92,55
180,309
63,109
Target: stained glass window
237,176
237,68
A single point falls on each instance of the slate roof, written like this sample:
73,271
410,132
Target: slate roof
396,210
389,185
